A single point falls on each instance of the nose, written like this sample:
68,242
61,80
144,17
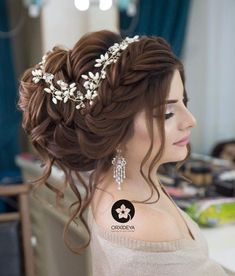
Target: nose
188,120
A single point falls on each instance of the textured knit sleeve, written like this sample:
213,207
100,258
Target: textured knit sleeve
127,262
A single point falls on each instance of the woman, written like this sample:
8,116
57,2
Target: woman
118,107
225,150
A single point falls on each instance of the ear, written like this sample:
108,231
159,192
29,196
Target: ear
122,147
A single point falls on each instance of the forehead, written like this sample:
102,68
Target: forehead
176,87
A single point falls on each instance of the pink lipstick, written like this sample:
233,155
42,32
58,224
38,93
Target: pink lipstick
182,142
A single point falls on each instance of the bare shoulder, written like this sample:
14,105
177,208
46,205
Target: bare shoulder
150,224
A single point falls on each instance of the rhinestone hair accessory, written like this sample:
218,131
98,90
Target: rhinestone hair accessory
92,81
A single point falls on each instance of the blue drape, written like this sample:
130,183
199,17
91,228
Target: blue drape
9,116
165,18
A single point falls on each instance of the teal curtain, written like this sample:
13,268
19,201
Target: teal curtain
9,116
165,18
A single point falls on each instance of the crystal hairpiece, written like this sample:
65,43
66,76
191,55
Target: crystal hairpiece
92,81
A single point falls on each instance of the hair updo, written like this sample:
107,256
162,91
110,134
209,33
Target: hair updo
86,139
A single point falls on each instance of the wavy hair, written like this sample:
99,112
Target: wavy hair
86,140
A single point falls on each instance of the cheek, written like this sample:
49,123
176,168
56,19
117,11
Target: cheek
170,134
141,132
140,142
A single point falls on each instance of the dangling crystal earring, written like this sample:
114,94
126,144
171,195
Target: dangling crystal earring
119,172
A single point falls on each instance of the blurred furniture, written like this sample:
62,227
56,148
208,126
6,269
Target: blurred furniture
22,192
51,256
10,251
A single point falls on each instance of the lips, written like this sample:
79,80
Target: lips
184,140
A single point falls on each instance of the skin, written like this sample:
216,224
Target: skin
176,127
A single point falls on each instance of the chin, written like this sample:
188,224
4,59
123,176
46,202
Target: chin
176,156
182,156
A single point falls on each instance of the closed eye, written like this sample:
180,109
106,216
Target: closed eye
169,115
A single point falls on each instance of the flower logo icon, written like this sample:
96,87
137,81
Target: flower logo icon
123,211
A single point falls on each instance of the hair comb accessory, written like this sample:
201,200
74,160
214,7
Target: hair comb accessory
92,81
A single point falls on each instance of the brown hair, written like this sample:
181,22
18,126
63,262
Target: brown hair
84,140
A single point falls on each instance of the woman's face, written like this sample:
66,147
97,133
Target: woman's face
178,124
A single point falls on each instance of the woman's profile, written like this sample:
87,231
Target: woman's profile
117,107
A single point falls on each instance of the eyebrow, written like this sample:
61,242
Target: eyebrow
171,101
175,100
166,102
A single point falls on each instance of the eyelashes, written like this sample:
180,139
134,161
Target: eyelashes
171,114
168,115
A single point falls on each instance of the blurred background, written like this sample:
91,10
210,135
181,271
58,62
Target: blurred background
201,33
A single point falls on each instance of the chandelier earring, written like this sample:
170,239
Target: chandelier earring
119,168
